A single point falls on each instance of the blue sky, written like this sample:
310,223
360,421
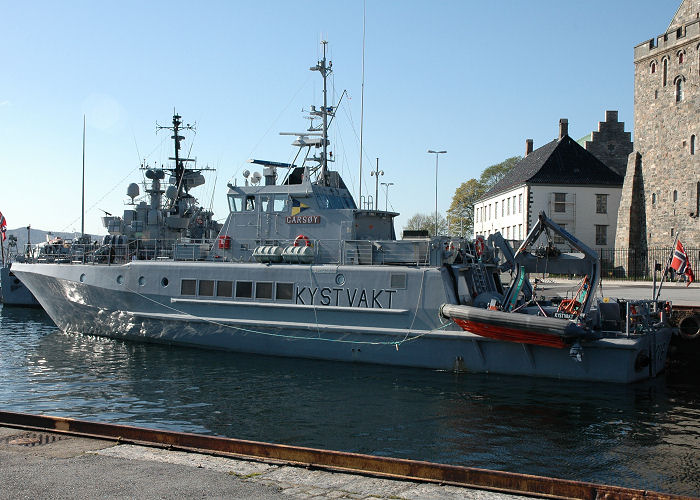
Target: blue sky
474,78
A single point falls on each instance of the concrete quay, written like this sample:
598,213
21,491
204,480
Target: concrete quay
39,464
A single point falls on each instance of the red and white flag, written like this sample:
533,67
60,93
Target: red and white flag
3,226
680,262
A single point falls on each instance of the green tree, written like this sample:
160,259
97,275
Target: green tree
427,223
491,175
460,215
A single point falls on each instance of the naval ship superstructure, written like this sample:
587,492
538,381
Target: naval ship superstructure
299,270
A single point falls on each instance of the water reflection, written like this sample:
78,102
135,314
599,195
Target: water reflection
645,435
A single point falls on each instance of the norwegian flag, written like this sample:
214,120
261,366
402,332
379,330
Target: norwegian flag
680,262
3,226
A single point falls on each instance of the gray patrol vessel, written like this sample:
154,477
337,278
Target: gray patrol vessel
297,269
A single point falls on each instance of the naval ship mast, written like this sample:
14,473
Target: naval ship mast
179,170
320,132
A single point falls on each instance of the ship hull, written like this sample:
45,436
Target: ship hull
89,299
14,292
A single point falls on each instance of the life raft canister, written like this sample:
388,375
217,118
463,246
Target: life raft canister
301,239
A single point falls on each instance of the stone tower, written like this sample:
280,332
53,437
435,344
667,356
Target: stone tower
661,193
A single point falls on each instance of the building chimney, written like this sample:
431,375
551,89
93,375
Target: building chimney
563,128
528,146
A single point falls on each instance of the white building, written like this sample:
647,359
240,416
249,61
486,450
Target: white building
568,183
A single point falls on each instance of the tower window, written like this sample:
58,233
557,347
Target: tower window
665,71
692,144
680,57
675,195
679,89
653,67
653,198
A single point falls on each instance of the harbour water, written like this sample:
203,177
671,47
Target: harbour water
644,435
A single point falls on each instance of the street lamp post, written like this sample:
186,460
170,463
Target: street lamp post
437,154
386,198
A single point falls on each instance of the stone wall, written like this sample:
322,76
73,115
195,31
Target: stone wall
611,144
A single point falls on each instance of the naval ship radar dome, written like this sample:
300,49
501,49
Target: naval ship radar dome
171,192
132,191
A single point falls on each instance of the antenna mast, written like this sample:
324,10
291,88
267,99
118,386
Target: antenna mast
325,70
179,162
82,210
362,101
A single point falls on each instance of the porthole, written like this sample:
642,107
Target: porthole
164,282
340,279
120,279
142,281
82,278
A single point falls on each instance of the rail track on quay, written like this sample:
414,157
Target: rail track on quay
329,460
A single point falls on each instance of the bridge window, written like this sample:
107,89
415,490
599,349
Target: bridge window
224,288
188,287
285,291
263,290
244,289
206,288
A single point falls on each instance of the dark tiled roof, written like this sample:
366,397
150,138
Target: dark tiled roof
561,161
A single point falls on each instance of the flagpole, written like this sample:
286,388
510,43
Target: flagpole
668,265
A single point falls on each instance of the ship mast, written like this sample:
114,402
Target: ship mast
325,70
179,170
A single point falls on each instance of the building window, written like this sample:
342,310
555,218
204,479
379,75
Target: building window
495,211
680,57
520,203
508,207
489,212
692,144
503,207
601,203
679,89
697,200
601,234
653,198
520,226
653,67
675,196
560,202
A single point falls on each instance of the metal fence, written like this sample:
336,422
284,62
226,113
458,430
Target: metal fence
638,263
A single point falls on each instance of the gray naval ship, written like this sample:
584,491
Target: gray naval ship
298,270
